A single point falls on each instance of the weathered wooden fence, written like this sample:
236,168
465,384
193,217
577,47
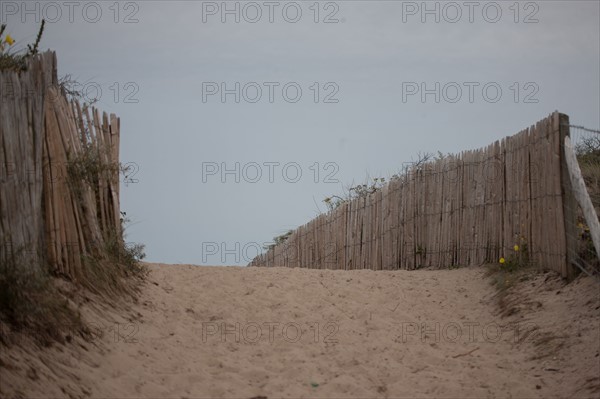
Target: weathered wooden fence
59,200
468,209
21,135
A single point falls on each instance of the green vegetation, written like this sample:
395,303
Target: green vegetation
518,258
17,60
280,239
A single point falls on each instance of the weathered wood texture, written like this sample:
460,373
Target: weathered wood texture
468,209
60,187
22,97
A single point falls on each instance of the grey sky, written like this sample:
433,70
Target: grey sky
368,56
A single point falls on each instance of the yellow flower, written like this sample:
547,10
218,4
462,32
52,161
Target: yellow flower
516,248
502,260
9,40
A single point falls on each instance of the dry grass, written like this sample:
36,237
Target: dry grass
590,169
115,269
37,304
31,303
588,157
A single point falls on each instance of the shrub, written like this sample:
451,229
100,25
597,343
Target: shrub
17,60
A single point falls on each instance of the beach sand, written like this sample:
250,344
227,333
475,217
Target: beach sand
234,332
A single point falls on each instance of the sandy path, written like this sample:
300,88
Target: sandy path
207,332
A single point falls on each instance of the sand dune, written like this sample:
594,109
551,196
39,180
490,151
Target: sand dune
217,332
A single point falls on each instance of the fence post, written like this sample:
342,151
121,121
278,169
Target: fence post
569,203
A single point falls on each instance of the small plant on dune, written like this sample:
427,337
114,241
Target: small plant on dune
371,186
16,60
517,259
364,190
280,239
333,202
515,266
283,237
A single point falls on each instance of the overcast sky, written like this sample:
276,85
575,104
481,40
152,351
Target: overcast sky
296,100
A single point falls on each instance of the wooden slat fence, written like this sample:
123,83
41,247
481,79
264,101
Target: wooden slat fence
467,209
21,139
57,219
